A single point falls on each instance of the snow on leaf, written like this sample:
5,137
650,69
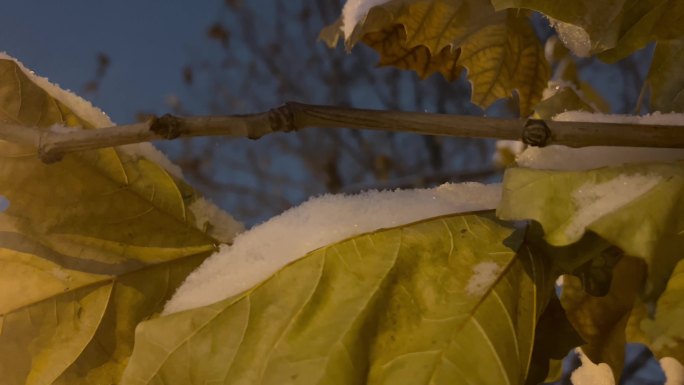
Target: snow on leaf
263,250
89,246
548,197
593,201
388,307
483,275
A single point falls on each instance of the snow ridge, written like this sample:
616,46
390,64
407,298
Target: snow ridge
260,252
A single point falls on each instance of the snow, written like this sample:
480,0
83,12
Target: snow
82,107
656,118
590,373
217,222
260,252
484,274
674,371
575,38
507,151
594,201
586,158
149,152
354,12
85,110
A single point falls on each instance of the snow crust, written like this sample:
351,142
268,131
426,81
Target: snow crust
354,12
674,371
96,117
586,158
263,250
214,220
590,373
484,274
593,201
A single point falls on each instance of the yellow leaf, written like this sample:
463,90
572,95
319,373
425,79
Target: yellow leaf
391,44
499,49
89,246
503,57
602,321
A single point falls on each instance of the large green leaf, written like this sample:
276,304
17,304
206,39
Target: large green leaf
636,207
444,301
89,246
499,49
614,28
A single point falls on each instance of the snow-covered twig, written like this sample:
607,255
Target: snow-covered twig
52,144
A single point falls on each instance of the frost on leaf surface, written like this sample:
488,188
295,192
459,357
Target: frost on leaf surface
387,307
89,246
260,252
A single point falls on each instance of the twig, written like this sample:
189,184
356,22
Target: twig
52,145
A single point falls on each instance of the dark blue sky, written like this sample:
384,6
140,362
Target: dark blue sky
148,42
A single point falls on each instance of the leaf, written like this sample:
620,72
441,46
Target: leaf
554,338
606,201
599,19
503,57
500,50
563,100
84,335
663,333
390,43
601,321
613,29
442,301
89,246
665,77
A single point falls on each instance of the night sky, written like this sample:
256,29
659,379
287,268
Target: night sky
148,42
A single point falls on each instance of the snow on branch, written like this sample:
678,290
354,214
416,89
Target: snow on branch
52,144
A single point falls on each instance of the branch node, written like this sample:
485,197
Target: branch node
168,126
50,157
282,118
536,133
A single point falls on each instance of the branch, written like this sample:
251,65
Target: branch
52,145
